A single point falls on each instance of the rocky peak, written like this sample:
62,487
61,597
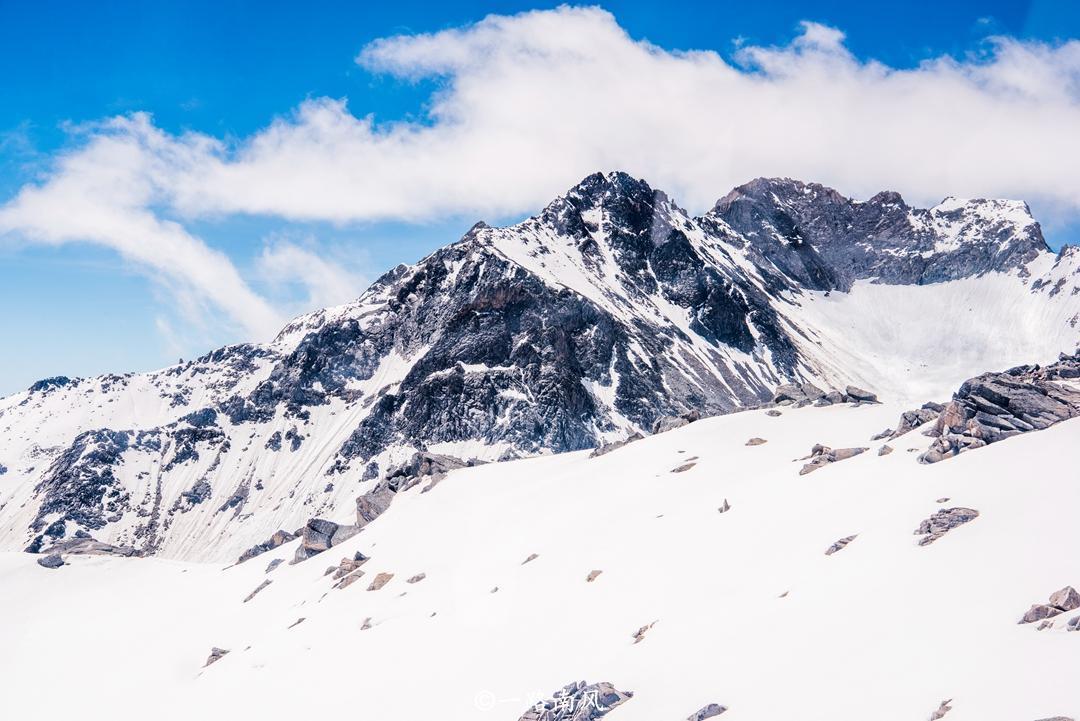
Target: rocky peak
826,241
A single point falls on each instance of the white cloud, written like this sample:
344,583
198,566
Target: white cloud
531,103
324,282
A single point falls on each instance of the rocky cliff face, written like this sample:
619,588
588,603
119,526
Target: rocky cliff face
825,241
610,309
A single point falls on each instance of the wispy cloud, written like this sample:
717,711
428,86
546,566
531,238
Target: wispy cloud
528,104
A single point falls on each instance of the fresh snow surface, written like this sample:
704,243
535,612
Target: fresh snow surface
749,612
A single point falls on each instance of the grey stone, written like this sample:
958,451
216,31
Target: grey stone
53,560
858,394
615,445
943,521
578,702
1067,599
216,654
756,441
839,545
380,580
258,588
319,535
279,538
707,712
1038,612
670,423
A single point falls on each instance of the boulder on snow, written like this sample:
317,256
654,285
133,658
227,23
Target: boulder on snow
1061,601
279,538
216,654
319,535
578,702
995,406
348,565
1038,612
755,441
380,580
707,712
839,545
420,465
670,423
856,394
885,450
943,521
942,709
84,545
1067,599
797,394
821,456
615,445
53,560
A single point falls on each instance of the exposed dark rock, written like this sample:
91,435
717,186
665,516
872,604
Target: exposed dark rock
885,450
756,441
53,560
996,406
822,240
280,537
578,702
724,507
797,393
47,384
943,521
421,465
274,564
639,635
319,535
856,394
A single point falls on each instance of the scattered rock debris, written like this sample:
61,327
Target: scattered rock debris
639,634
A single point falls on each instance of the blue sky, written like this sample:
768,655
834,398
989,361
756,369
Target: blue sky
225,70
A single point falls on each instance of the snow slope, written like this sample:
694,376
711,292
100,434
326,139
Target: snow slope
749,612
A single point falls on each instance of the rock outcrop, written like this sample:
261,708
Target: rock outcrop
53,560
839,545
821,456
995,406
279,538
1062,601
804,394
578,702
319,534
707,712
942,522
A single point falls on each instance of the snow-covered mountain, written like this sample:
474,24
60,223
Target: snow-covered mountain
608,311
